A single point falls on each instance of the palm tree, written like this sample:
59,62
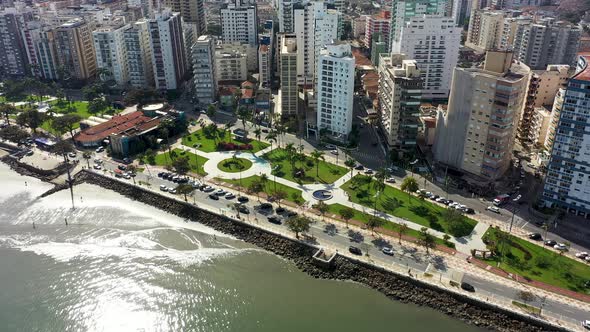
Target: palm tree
317,155
350,163
426,239
322,208
256,187
373,223
271,137
403,228
257,133
132,170
263,181
346,213
409,185
244,115
185,189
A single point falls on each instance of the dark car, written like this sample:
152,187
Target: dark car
291,214
243,199
244,210
214,197
160,174
467,287
469,211
265,206
359,167
274,220
122,167
550,243
280,210
355,250
535,236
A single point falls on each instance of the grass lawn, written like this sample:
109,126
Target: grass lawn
393,201
293,195
234,165
163,159
364,217
538,263
209,144
328,173
62,108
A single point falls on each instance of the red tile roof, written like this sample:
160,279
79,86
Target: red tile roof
247,93
135,122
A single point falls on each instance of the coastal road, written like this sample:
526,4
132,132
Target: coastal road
338,237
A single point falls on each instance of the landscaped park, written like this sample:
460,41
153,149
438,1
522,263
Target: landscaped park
297,167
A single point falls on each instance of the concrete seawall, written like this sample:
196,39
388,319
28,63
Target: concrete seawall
398,287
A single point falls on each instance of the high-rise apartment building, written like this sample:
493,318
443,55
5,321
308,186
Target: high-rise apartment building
168,50
204,75
460,11
568,173
231,62
546,42
239,24
13,57
403,10
378,46
42,40
192,11
75,49
335,89
433,41
378,23
288,94
111,56
315,26
264,65
400,92
485,30
285,9
138,52
543,87
477,133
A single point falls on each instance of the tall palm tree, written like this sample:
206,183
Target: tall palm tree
350,163
264,180
257,133
379,187
244,115
271,137
317,155
290,150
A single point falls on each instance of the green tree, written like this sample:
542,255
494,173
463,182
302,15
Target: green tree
244,115
271,137
66,122
211,110
322,208
426,239
317,155
14,133
402,229
8,110
298,224
446,238
181,165
150,156
185,189
257,133
346,213
256,187
264,181
526,296
350,163
457,225
280,195
409,185
373,223
132,170
31,118
97,105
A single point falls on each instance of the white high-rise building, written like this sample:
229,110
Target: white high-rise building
433,41
335,89
203,54
403,10
138,55
168,50
315,26
239,24
111,56
286,15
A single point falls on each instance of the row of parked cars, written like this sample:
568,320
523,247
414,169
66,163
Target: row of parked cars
281,213
550,243
448,202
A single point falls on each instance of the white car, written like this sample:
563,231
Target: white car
493,209
172,191
208,189
230,196
586,324
334,152
390,180
97,166
560,247
220,192
98,161
163,188
126,176
368,171
582,254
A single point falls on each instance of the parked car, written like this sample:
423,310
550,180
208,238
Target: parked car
387,251
243,209
582,254
122,167
230,196
280,210
334,152
550,243
560,247
355,250
469,211
390,180
274,220
97,166
368,171
493,209
290,214
434,197
468,287
359,167
220,192
99,149
535,236
586,324
163,188
265,206
243,199
72,154
214,197
172,191
208,189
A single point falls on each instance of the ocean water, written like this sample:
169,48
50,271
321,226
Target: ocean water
120,265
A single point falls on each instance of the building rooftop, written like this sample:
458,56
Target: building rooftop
584,74
131,123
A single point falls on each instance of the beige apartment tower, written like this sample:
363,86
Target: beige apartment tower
288,74
75,49
476,134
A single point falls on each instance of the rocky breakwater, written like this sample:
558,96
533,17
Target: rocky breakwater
397,287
